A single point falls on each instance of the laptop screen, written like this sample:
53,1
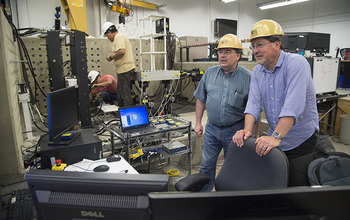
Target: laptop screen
134,116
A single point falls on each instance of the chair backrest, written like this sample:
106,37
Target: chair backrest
244,169
344,53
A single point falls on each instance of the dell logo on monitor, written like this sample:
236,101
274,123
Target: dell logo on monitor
92,214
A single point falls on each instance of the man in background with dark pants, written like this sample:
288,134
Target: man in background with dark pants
123,58
106,84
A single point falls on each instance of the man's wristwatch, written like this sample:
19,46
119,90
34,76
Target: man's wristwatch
110,58
277,135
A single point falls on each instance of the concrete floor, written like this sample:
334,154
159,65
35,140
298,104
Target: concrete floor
339,146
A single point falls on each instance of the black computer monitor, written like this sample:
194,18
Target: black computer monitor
78,195
62,113
290,203
301,41
224,26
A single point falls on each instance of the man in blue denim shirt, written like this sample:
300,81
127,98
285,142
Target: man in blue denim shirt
282,82
223,90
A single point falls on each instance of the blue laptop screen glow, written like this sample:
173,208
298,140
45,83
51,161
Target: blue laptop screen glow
133,117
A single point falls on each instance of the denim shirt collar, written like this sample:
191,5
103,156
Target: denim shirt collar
231,73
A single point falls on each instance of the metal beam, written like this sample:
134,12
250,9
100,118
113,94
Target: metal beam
54,60
79,68
142,4
76,13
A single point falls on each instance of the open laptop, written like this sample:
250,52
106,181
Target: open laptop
134,119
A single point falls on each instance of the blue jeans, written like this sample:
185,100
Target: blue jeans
215,138
108,97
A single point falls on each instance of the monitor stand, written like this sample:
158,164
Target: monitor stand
64,141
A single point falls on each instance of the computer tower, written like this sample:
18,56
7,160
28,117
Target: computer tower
87,145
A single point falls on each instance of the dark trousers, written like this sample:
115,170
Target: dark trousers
306,147
124,88
108,97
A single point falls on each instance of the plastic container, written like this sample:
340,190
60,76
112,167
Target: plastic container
344,131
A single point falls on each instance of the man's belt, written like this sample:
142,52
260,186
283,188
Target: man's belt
227,126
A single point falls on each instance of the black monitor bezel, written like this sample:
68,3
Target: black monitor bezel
330,202
44,183
71,96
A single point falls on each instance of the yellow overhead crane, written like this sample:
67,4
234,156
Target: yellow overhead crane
122,9
76,14
76,11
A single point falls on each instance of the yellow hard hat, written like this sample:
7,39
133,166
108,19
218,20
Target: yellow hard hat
230,41
266,28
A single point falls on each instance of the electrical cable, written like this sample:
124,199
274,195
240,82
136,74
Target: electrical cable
180,47
171,49
156,93
173,172
29,32
102,130
30,65
182,89
24,73
33,118
21,47
36,154
189,101
167,99
131,14
100,107
36,125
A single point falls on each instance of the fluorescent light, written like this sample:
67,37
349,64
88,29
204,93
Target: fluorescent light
276,4
227,1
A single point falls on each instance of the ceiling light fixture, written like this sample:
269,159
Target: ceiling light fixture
227,1
276,4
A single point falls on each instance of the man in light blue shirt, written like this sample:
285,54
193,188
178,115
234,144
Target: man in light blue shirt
282,82
223,91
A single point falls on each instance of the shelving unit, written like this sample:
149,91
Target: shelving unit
152,53
154,72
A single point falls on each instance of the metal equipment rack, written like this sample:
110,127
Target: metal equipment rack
152,36
168,124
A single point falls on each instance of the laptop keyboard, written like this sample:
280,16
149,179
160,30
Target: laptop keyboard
21,205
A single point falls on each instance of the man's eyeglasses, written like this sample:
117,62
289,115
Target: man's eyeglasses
258,46
226,52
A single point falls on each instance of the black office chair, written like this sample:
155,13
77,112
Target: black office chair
243,169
